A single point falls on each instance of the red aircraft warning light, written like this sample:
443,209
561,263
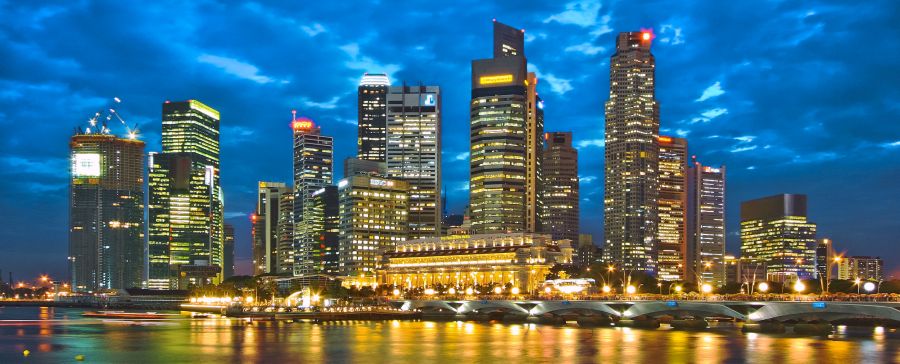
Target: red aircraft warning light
646,35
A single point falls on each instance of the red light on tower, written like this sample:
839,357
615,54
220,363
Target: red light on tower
646,35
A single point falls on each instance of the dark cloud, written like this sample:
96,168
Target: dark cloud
801,97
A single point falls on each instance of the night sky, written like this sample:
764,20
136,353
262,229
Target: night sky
793,98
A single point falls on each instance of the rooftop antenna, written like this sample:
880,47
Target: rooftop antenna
294,115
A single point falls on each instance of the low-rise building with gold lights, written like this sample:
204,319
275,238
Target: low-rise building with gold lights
522,260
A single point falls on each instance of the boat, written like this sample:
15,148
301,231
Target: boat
128,315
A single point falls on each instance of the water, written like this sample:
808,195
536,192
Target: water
59,334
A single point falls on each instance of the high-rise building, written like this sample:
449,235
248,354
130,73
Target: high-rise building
285,231
705,252
414,153
672,209
313,165
185,203
775,230
534,156
825,259
373,219
354,166
228,252
861,267
586,253
106,212
560,196
631,179
499,120
372,114
319,237
265,221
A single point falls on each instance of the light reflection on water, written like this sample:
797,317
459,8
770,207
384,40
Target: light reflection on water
60,334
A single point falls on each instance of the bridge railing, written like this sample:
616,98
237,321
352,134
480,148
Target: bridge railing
840,297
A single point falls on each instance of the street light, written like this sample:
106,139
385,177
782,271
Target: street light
606,289
869,287
706,288
857,281
497,290
678,289
396,292
515,290
630,289
799,286
763,287
659,285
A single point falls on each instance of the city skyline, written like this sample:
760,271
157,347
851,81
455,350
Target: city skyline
713,117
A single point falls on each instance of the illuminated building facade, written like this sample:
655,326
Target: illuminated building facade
499,114
862,267
706,224
373,220
775,230
825,258
106,212
372,114
414,153
313,166
672,209
522,260
285,231
319,237
560,195
228,252
185,203
631,179
265,222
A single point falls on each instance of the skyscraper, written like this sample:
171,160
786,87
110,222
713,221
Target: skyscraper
775,230
631,180
265,227
185,202
499,114
560,194
313,165
861,267
825,259
320,225
706,224
106,212
414,153
373,219
534,148
672,210
285,232
228,252
372,94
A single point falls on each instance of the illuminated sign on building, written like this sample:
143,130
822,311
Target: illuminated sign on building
302,124
428,100
711,170
380,182
490,80
86,165
665,139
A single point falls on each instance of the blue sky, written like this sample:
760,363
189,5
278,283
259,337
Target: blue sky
794,97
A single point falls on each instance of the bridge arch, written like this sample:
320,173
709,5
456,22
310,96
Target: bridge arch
563,307
823,311
681,308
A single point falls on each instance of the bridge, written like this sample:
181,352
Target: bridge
748,311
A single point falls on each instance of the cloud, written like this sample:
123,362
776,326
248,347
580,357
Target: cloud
232,215
461,156
600,143
751,167
237,68
234,134
327,105
49,167
743,149
462,186
745,138
363,63
682,133
587,179
891,144
581,13
670,34
710,92
710,114
558,85
313,30
815,157
585,48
